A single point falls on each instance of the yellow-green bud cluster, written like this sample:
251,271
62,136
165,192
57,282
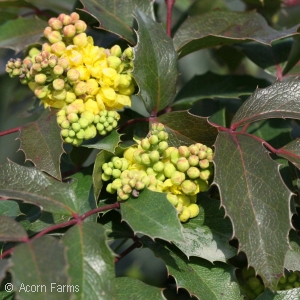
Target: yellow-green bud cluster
251,285
180,172
78,124
289,281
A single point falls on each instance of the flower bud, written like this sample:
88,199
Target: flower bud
153,140
169,169
59,95
122,195
162,146
83,122
41,91
193,160
74,17
116,173
127,188
188,187
60,119
100,127
76,127
80,88
162,136
182,164
113,62
52,61
80,26
64,133
172,199
55,24
116,184
185,215
69,31
65,124
105,177
58,48
90,132
204,163
66,20
88,116
154,156
145,144
116,50
69,140
36,67
202,154
80,39
184,151
193,172
184,199
145,159
58,84
72,133
174,156
194,210
58,70
110,189
139,185
177,177
80,134
40,78
54,37
158,167
193,149
47,31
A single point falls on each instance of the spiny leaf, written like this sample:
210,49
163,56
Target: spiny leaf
91,262
117,16
279,100
292,294
292,258
212,85
46,269
291,151
225,27
155,64
257,202
42,144
33,186
208,234
131,288
153,215
186,129
108,143
201,278
19,33
11,231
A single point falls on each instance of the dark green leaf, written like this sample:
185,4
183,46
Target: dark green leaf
292,294
16,3
131,288
291,152
19,33
102,157
42,144
155,64
33,186
46,270
91,262
108,143
10,230
279,100
9,208
5,264
212,85
153,215
199,277
257,203
208,234
186,129
294,56
117,16
292,258
224,27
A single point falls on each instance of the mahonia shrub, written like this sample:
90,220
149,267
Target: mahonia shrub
167,130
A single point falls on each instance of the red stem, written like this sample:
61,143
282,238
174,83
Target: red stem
135,245
169,4
8,131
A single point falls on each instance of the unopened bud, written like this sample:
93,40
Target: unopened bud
76,127
69,31
80,88
116,51
128,52
58,48
204,163
40,78
202,154
58,84
47,31
80,134
184,151
55,24
114,62
158,167
193,149
74,16
73,118
188,187
153,140
172,199
193,160
59,95
193,172
116,173
80,39
204,175
154,156
177,177
54,37
185,215
88,116
145,144
182,164
174,156
90,132
58,70
33,52
145,159
162,146
41,92
80,26
184,199
169,169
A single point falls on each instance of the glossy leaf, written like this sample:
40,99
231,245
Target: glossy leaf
280,100
9,208
19,33
201,278
208,234
33,186
292,258
256,203
153,215
186,129
91,262
46,270
280,295
224,27
155,64
211,85
294,55
291,152
42,144
131,288
11,231
108,143
117,16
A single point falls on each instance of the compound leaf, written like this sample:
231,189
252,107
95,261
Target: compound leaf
155,64
257,204
42,144
291,151
292,258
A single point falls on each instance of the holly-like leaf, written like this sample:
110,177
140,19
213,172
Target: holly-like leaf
131,288
19,33
279,100
208,234
91,262
11,231
291,151
153,215
186,129
292,258
33,186
256,202
46,270
225,27
292,294
117,16
42,144
201,278
155,64
9,208
102,157
212,85
108,143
